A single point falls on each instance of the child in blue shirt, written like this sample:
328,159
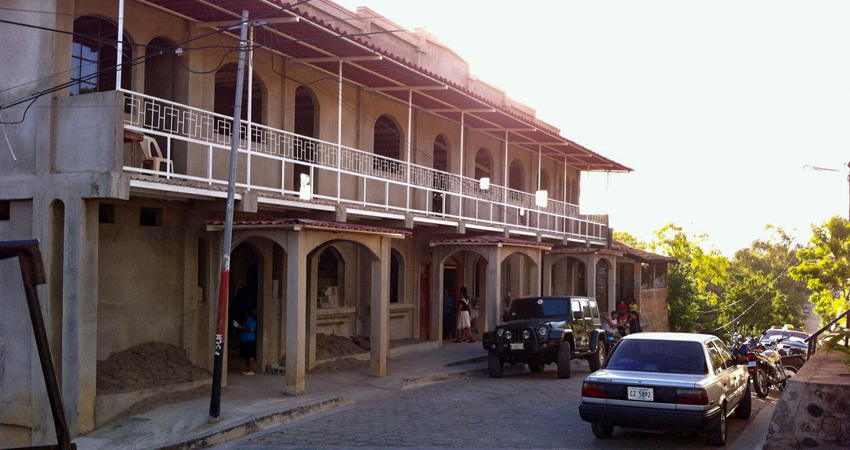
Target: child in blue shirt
248,341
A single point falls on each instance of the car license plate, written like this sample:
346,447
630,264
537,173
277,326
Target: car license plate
640,394
517,346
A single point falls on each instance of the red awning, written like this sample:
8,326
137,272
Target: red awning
312,37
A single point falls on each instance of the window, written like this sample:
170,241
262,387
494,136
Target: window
5,210
594,309
225,99
646,276
534,308
581,285
661,276
716,358
728,360
585,308
387,144
651,355
150,217
106,213
94,56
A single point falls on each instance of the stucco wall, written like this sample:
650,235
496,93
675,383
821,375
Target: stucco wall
653,309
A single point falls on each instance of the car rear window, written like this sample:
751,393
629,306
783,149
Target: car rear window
650,355
533,308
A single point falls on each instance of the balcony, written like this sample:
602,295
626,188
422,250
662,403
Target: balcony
271,162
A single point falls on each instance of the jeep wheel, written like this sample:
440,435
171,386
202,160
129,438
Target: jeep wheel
494,364
536,367
601,430
564,356
597,358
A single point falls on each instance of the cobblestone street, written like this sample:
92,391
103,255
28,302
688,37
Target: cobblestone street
523,410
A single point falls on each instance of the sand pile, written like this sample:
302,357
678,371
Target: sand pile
150,365
332,346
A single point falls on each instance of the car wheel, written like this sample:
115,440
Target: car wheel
564,356
595,360
601,430
717,436
494,365
760,383
536,367
745,407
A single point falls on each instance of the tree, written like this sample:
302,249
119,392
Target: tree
825,267
630,240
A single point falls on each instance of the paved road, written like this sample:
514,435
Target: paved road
519,411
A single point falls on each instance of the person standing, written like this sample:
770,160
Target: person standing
634,322
248,341
633,306
448,315
622,306
463,323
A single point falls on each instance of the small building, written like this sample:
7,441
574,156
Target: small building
374,174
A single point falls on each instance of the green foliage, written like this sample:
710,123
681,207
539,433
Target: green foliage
825,267
630,240
682,298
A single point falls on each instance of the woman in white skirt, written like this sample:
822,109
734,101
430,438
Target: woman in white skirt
463,323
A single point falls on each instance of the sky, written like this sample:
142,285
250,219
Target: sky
717,106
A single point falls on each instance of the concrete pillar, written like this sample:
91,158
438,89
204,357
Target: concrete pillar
638,280
494,289
296,313
437,295
547,264
534,288
590,276
312,314
380,320
612,286
79,330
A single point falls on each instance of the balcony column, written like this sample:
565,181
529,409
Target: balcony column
250,105
409,133
505,179
566,206
120,48
339,136
462,145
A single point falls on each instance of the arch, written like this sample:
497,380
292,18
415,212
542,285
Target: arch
483,164
387,137
160,69
440,182
516,173
544,181
396,277
94,57
225,94
330,274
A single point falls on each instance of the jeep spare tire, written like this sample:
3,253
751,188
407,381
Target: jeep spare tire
564,356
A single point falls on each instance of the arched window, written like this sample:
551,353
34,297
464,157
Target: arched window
225,94
515,175
441,163
396,277
160,70
306,124
483,164
94,56
387,137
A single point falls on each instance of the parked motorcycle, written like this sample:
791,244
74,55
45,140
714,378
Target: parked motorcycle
766,369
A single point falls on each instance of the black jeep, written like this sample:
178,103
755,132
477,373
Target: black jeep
545,330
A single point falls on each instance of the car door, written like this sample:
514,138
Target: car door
737,375
722,371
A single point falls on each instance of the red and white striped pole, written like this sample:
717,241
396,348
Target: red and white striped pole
224,282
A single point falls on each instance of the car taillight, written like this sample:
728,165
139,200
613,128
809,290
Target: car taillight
691,397
751,357
594,390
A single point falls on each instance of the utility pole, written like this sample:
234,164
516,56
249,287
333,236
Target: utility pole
224,281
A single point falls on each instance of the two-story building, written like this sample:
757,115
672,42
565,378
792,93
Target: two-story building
374,173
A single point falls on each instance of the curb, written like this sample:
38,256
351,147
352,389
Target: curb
462,362
254,424
451,376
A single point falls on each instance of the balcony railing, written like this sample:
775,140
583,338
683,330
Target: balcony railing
271,161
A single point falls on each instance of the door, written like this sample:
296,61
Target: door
425,302
732,373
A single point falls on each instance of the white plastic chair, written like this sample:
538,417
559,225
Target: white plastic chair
152,156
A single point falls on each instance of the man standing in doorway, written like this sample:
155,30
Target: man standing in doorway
248,341
448,315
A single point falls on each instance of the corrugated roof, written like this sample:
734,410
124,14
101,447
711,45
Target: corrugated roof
642,255
562,249
309,223
489,240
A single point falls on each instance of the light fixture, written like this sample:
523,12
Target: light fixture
522,212
542,199
484,183
305,192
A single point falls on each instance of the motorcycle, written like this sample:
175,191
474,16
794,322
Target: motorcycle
766,369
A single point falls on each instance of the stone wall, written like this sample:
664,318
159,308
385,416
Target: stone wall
653,309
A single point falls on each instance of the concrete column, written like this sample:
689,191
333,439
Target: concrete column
380,320
437,295
296,313
612,286
534,276
79,330
547,264
494,289
312,314
638,279
590,276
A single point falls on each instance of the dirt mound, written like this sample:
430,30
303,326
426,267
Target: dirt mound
150,365
332,346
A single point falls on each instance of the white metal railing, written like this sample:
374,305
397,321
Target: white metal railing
365,179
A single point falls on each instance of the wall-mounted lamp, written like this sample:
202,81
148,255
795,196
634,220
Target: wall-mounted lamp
305,192
542,199
484,183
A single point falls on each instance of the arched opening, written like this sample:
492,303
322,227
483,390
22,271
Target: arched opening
329,277
483,164
387,142
441,164
580,277
519,278
515,176
94,56
225,98
544,182
245,290
161,70
306,124
396,277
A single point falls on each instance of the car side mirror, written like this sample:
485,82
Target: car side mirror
743,361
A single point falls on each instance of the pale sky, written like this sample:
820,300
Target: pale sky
717,106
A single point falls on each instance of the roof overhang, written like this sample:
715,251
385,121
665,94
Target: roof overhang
308,224
330,49
490,241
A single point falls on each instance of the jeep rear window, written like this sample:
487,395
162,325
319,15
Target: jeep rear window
650,355
533,308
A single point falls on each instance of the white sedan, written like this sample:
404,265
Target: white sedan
674,381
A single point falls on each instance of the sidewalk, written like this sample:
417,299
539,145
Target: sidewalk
250,404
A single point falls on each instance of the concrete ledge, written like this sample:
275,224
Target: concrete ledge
109,406
253,425
814,410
